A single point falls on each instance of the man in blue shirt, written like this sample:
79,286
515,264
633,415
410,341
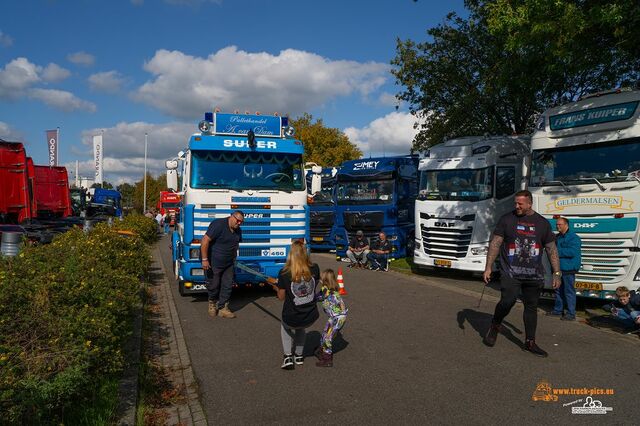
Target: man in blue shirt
568,244
219,250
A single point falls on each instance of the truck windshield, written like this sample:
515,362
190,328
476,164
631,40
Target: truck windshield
366,192
325,195
456,184
246,170
606,162
112,201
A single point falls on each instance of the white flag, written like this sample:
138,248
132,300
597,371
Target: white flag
97,157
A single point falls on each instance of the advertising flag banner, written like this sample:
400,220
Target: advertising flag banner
52,147
97,157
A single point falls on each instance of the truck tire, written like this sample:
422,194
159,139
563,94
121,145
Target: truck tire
181,288
411,245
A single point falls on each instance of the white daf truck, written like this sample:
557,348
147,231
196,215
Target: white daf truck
585,166
466,184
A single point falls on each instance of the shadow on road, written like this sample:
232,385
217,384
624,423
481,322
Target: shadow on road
480,321
312,341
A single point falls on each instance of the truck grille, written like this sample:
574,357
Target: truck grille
446,242
604,261
321,223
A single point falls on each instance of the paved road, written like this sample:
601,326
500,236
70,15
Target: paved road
411,352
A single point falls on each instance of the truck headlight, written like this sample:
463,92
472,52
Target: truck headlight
480,251
418,245
194,253
392,237
637,277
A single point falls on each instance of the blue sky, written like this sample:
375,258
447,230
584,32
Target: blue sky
126,67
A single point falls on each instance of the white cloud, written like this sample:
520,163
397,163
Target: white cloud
388,99
109,81
81,58
16,76
5,40
391,134
123,147
55,73
292,82
61,99
9,134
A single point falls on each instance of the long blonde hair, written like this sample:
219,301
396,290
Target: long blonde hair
298,262
328,278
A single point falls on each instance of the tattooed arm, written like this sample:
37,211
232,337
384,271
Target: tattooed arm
554,260
492,255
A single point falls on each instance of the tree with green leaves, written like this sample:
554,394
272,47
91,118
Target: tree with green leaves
323,145
511,59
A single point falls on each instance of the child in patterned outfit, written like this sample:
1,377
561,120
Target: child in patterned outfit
334,307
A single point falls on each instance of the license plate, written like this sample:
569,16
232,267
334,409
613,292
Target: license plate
588,286
317,238
442,262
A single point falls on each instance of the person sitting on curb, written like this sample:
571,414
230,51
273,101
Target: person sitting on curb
568,243
627,308
358,250
379,255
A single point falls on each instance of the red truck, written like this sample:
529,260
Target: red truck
169,202
28,191
17,200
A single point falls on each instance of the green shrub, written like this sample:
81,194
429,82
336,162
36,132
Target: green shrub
65,314
146,228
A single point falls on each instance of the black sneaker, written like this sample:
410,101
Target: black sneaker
287,363
568,318
553,314
530,346
298,359
492,335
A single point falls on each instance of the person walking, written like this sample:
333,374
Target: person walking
166,222
568,243
219,249
518,239
296,286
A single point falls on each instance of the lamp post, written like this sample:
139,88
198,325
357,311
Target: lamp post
144,202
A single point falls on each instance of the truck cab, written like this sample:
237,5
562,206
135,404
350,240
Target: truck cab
377,194
246,162
321,188
466,184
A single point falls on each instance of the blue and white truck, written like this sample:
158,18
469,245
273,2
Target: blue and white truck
377,194
321,187
239,162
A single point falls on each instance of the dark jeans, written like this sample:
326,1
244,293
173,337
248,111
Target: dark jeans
510,289
219,283
566,296
378,260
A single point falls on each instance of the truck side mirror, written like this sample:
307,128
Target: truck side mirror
172,180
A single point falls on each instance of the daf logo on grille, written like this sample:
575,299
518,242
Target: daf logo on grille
444,224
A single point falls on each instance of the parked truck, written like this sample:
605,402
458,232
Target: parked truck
377,194
586,167
241,162
466,184
107,200
169,202
321,188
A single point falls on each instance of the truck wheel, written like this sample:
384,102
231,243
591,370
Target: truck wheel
411,245
181,288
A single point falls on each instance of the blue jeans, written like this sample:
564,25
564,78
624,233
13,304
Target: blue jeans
378,260
566,296
626,318
166,228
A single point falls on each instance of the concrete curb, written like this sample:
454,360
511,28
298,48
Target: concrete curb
175,358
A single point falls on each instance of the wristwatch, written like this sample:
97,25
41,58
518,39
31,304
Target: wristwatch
558,274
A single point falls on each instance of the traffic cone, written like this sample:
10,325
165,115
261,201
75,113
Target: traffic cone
342,290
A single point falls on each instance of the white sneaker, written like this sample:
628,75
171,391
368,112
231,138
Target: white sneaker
287,362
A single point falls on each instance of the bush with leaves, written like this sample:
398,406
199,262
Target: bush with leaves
146,228
65,314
